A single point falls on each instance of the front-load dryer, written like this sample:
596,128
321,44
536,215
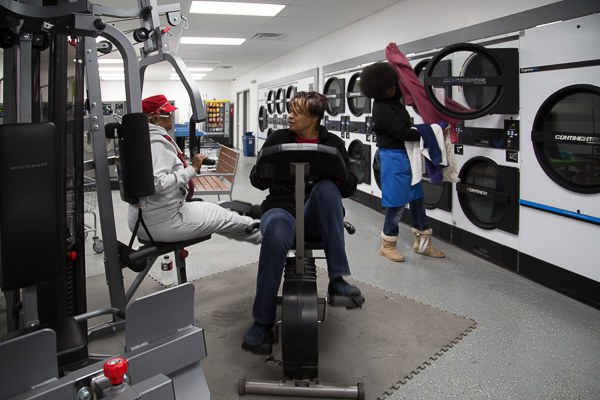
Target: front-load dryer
560,191
485,202
358,125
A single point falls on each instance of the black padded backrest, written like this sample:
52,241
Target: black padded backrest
326,162
135,157
29,205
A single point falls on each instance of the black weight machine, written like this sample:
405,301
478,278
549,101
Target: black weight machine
42,197
300,301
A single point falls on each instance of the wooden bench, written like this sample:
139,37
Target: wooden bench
221,182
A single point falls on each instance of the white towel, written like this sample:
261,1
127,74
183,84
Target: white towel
415,157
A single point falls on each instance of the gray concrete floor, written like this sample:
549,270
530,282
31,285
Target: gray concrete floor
530,342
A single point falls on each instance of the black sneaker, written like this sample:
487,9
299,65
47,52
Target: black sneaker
339,287
259,339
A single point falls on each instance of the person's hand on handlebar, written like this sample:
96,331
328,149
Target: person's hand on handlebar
197,161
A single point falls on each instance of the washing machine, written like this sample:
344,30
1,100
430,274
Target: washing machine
358,122
334,88
560,178
485,203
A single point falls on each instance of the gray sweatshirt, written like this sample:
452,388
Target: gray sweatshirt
170,180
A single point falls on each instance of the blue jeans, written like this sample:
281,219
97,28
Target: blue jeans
324,218
394,214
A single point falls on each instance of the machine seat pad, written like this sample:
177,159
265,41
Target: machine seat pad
136,260
71,344
166,247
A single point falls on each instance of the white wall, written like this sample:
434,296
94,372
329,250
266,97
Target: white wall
404,22
173,90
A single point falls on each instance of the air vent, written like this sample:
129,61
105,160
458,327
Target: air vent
224,67
267,36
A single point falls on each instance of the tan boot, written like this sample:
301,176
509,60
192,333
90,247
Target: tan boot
388,248
424,244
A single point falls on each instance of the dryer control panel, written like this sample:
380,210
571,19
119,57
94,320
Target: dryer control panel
507,138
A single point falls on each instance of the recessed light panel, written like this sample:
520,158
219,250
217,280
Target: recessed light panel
234,8
212,41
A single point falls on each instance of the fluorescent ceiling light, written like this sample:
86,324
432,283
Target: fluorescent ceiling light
112,78
177,78
109,61
193,75
233,8
196,69
549,23
212,40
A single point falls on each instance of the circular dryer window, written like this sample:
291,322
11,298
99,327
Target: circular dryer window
478,97
359,160
334,91
357,102
377,169
262,118
289,93
271,102
280,101
566,138
433,192
442,69
483,193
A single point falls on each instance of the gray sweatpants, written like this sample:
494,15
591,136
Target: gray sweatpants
200,218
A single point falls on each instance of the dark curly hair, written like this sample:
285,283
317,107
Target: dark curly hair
376,79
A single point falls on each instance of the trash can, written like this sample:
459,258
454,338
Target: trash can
248,141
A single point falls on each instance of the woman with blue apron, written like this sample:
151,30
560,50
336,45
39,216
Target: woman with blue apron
392,125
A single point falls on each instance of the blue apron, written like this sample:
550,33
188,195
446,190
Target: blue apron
396,177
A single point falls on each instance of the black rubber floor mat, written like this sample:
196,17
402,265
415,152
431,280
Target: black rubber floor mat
383,344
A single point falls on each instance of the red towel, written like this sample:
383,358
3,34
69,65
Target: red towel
413,92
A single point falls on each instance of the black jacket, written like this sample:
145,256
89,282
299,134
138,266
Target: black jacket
391,123
281,195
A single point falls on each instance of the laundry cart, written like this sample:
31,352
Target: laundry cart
90,203
210,148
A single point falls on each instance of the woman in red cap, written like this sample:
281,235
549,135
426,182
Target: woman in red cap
168,215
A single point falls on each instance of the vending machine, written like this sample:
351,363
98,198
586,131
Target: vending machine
219,121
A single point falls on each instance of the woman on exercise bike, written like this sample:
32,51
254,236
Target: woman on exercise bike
324,218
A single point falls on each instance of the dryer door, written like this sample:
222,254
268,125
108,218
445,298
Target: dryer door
334,91
357,102
262,118
566,138
360,158
289,93
488,194
437,195
489,81
271,102
280,101
377,169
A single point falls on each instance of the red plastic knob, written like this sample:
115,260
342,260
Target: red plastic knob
115,369
184,253
72,255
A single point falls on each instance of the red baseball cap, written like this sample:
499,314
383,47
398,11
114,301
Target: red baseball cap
155,105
